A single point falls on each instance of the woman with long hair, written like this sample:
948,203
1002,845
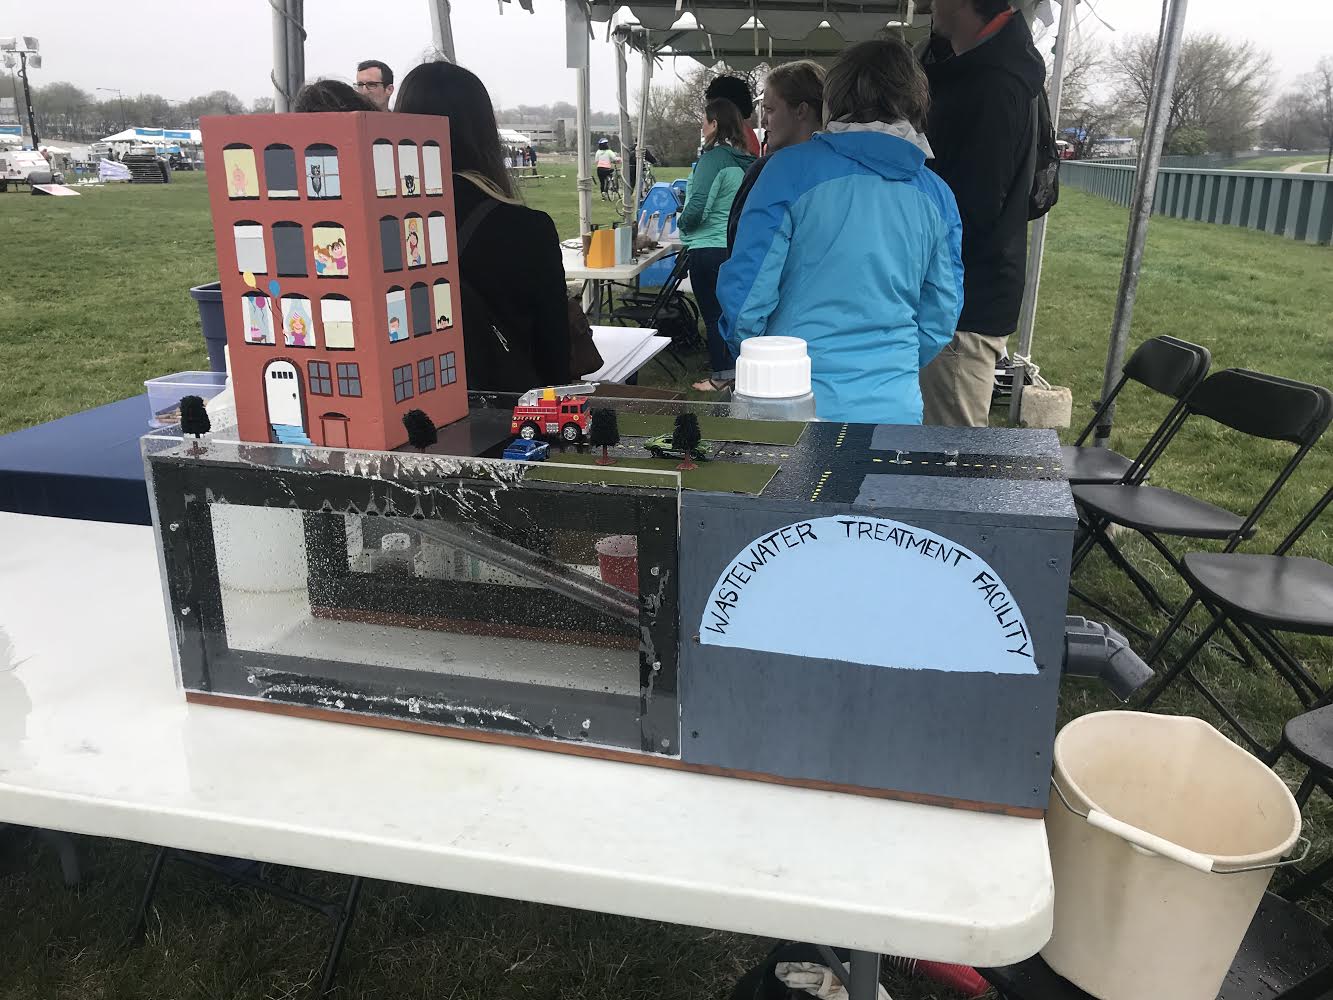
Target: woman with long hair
851,243
703,225
793,112
514,303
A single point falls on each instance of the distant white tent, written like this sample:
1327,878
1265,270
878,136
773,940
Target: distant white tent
157,136
508,135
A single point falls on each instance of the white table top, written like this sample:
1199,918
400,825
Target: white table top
95,738
575,270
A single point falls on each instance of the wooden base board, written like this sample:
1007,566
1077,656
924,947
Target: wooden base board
601,753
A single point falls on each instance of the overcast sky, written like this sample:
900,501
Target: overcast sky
179,48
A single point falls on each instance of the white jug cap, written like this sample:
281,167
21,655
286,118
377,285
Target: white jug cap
773,368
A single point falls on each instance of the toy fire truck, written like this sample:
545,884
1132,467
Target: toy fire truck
557,410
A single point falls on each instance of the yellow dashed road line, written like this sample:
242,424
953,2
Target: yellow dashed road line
822,480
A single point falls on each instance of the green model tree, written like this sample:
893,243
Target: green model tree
604,433
685,438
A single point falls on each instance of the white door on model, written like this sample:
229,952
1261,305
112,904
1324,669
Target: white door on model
282,389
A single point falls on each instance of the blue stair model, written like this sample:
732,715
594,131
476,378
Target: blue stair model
291,434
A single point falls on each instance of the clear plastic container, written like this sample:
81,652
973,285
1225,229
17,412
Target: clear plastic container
773,380
166,392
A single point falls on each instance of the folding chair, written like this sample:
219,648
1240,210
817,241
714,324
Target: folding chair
1165,365
1309,739
667,311
1287,954
1254,404
1260,595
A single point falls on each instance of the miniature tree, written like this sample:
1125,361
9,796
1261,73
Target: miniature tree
194,419
685,438
604,433
421,432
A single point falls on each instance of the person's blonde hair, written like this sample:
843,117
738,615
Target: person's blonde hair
799,82
877,81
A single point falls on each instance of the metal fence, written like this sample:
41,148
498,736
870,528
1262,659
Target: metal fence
1297,206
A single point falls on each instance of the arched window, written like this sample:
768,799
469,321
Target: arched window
250,254
298,327
444,305
421,317
321,172
438,237
409,169
280,171
414,241
432,177
386,178
391,250
238,164
289,249
330,244
335,314
257,318
395,301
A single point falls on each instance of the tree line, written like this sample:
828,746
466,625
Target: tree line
1223,100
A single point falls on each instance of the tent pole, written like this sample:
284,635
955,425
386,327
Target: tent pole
295,47
576,58
279,75
622,94
643,116
1027,316
1145,188
442,29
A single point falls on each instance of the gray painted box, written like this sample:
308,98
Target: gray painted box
903,640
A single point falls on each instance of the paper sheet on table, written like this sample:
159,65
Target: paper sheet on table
624,350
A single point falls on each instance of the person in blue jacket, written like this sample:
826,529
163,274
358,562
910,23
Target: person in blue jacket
848,242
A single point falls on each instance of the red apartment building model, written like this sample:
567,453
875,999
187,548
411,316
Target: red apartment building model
333,239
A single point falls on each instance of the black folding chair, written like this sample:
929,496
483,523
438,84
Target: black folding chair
1260,595
1165,365
1254,404
668,311
1309,739
1287,954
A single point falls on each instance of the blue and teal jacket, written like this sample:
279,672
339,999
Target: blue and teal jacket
848,242
708,197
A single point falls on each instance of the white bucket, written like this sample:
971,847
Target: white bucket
1158,817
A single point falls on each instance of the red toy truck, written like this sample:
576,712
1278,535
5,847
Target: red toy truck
558,410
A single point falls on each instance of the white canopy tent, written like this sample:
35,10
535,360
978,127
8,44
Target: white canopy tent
156,137
796,21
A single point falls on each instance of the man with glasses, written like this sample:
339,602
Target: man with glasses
375,80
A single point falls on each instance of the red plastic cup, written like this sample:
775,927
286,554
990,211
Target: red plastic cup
618,562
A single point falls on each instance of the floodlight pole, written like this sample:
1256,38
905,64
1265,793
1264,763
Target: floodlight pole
27,95
1145,188
1027,316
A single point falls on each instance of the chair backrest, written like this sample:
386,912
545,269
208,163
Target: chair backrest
1170,366
1264,406
669,287
1167,365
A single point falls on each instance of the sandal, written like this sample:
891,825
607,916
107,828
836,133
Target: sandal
714,385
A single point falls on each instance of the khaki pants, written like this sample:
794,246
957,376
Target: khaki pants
956,387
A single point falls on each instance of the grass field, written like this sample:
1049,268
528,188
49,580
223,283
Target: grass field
1279,162
94,299
1316,168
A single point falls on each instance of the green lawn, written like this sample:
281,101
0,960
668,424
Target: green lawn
1278,162
1316,168
94,299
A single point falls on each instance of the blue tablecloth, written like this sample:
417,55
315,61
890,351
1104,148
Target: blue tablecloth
85,466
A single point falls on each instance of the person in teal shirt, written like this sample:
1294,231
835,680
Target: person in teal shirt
703,225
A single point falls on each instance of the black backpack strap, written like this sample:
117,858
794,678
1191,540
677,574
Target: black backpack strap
474,220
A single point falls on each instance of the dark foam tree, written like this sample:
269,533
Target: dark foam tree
194,418
685,438
421,432
604,433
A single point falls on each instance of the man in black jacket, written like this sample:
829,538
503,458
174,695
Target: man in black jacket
984,75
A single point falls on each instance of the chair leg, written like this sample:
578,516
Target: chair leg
1256,745
1112,614
1172,627
1308,784
1141,583
140,927
340,930
1169,677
